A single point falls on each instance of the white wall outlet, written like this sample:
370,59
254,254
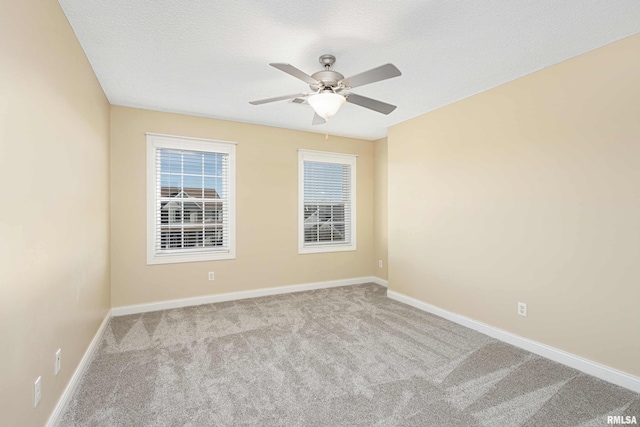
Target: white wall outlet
37,391
522,309
379,263
58,361
211,275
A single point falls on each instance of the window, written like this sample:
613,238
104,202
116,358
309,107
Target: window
327,202
190,199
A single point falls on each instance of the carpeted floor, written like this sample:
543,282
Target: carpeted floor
343,356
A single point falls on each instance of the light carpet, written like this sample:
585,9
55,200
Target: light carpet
344,356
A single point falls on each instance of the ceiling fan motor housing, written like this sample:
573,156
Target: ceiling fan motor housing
328,78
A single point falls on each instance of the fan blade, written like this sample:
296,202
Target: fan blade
377,74
278,98
372,104
290,69
317,120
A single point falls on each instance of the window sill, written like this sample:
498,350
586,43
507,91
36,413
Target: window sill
324,249
193,257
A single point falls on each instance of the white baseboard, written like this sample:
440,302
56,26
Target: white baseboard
379,281
77,375
232,296
587,366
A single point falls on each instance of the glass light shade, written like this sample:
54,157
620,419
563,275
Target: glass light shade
326,104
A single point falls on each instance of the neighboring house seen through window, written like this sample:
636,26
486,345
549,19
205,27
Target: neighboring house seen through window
190,199
327,208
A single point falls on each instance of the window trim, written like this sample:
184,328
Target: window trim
326,157
156,140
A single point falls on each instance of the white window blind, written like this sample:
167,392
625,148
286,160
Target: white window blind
192,195
327,188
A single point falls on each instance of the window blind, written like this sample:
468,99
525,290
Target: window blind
192,201
327,203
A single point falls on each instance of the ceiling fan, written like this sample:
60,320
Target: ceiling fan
331,89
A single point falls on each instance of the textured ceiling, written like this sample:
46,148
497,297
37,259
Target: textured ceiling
210,58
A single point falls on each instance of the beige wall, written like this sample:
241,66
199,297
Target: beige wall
54,218
267,189
380,208
529,192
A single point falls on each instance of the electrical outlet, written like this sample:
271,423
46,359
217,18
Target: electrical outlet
58,360
37,391
522,309
379,263
211,275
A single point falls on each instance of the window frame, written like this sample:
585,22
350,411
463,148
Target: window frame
326,157
173,142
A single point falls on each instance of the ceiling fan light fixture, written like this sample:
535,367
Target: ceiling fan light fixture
326,104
